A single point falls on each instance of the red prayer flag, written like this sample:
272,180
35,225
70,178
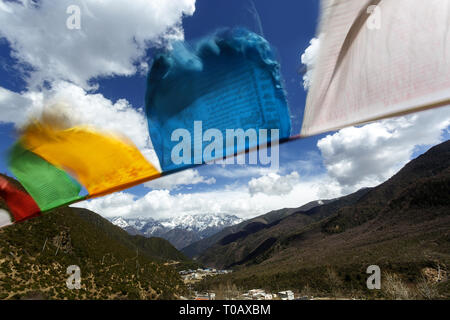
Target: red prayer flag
20,204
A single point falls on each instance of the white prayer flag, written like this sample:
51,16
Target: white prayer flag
378,59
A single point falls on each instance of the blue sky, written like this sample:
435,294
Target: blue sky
310,168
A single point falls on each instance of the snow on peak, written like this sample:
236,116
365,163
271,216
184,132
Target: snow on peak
120,222
200,222
196,223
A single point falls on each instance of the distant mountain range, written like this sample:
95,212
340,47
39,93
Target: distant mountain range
180,231
402,225
245,227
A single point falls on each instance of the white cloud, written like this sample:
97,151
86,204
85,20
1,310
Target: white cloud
113,38
273,184
12,105
162,204
366,156
81,108
308,58
182,178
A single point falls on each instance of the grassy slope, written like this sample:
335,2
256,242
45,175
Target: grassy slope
248,245
113,264
153,248
196,249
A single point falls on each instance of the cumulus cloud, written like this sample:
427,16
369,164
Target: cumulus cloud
366,156
273,184
182,178
12,105
308,58
238,201
81,108
112,40
61,65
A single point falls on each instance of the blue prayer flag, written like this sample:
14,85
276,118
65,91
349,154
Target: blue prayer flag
229,80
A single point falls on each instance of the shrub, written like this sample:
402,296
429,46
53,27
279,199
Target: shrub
395,288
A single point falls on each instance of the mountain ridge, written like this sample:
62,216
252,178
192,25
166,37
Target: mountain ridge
181,230
196,248
35,254
401,225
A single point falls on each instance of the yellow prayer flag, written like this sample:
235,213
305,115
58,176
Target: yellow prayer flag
103,163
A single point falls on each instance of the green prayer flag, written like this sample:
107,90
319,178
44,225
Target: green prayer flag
49,186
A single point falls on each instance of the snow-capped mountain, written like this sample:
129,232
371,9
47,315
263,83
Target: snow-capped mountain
180,231
120,223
